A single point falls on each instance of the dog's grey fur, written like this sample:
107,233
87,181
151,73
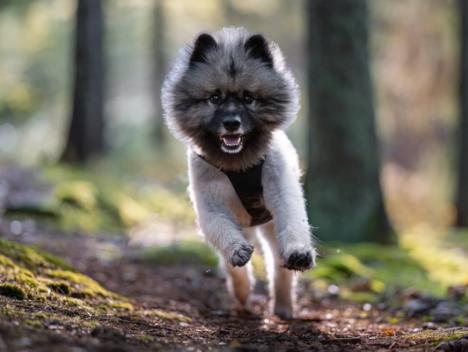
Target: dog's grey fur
233,74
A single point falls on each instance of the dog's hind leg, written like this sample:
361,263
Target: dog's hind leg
240,279
240,282
282,281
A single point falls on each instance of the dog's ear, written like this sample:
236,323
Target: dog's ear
203,44
257,48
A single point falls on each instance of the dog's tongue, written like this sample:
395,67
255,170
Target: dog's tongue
231,140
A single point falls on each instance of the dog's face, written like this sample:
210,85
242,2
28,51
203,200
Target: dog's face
230,97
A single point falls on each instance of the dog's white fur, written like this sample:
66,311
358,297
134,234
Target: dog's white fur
225,223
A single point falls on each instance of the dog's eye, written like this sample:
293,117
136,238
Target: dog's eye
248,98
215,99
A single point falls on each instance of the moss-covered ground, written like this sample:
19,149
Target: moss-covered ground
100,201
366,297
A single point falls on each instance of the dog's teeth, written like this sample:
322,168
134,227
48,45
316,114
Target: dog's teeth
232,141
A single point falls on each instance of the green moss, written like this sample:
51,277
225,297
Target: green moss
124,207
29,273
437,336
6,262
61,287
48,209
186,252
12,291
99,201
40,319
360,297
82,194
431,268
171,206
73,218
341,266
11,312
145,338
79,285
30,257
42,316
442,256
121,305
36,324
166,315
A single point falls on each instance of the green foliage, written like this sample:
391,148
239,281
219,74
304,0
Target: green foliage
81,194
444,256
366,270
34,59
342,266
96,201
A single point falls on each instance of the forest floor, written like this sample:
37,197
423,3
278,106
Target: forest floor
147,306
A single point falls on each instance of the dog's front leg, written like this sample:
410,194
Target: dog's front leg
222,232
284,198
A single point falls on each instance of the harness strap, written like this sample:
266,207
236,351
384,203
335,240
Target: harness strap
248,186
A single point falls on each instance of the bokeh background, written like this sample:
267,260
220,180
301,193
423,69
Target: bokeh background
134,184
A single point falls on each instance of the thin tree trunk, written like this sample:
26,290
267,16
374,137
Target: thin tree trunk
462,191
342,182
159,69
85,136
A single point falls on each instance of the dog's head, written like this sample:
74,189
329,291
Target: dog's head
226,95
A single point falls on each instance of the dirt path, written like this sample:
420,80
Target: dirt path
199,318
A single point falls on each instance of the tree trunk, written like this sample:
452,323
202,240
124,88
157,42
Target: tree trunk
343,188
85,136
159,70
462,191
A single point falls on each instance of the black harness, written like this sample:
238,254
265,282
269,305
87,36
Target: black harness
248,186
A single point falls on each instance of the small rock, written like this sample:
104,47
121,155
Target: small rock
23,342
382,306
460,345
430,326
106,333
333,290
445,310
417,306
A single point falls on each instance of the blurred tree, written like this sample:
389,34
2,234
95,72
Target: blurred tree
16,5
229,12
159,69
342,183
462,189
85,137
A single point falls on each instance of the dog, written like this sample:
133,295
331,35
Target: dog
229,97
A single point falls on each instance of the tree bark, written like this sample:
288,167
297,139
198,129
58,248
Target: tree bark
343,187
159,70
462,188
85,136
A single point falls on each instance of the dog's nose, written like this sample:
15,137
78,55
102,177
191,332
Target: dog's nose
232,123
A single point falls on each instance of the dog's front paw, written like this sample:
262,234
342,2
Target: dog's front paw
241,254
300,259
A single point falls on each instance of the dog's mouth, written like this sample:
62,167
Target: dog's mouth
231,143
